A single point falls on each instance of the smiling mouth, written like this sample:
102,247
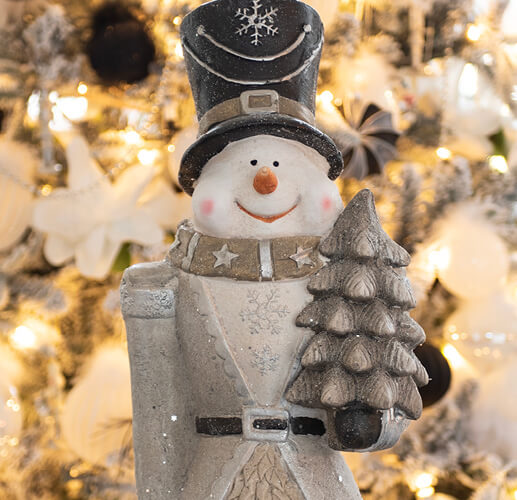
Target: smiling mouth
263,218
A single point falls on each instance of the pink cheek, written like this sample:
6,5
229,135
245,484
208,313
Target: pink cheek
207,207
326,203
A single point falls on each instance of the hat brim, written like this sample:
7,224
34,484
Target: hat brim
242,127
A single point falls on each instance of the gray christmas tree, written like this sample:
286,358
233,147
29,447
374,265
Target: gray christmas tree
360,365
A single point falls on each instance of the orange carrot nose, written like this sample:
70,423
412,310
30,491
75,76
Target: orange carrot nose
265,181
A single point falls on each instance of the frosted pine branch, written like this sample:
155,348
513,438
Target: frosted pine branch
410,231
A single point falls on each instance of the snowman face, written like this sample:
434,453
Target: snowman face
265,187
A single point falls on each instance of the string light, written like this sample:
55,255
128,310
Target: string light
498,163
422,484
82,88
131,137
177,21
148,156
424,480
33,107
425,492
474,32
171,148
444,153
514,93
33,334
13,405
325,100
178,50
23,338
46,189
440,259
326,97
59,122
468,84
74,108
488,59
452,355
53,97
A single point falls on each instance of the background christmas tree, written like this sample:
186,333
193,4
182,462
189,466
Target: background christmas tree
95,113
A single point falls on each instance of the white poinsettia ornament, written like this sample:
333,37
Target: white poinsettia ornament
91,218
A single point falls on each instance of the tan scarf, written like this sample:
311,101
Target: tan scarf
245,259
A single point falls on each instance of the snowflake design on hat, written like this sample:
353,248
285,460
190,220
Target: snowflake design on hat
256,20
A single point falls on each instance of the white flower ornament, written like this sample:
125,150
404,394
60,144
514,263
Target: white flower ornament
92,217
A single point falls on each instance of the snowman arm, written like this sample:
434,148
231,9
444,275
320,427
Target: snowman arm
160,388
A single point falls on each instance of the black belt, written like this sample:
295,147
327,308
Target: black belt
228,426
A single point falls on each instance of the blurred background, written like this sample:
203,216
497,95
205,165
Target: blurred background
95,113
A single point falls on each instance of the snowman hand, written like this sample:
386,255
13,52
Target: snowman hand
148,291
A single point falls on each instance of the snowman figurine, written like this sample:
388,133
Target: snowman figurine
275,332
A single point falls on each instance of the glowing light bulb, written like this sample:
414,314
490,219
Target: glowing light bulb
23,338
131,137
178,50
59,122
171,148
474,32
425,492
444,153
148,156
424,480
422,483
452,355
53,97
33,107
46,189
13,405
498,163
468,84
74,108
440,259
327,97
488,59
82,88
177,21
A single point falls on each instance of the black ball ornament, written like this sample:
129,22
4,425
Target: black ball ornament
120,49
439,372
357,427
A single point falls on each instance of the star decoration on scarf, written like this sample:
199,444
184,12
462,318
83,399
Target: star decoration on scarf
302,257
224,257
92,217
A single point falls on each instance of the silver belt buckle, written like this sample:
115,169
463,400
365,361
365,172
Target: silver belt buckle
253,428
260,101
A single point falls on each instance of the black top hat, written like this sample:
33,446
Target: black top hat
253,68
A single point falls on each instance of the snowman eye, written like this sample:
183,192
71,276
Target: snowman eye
276,164
253,162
